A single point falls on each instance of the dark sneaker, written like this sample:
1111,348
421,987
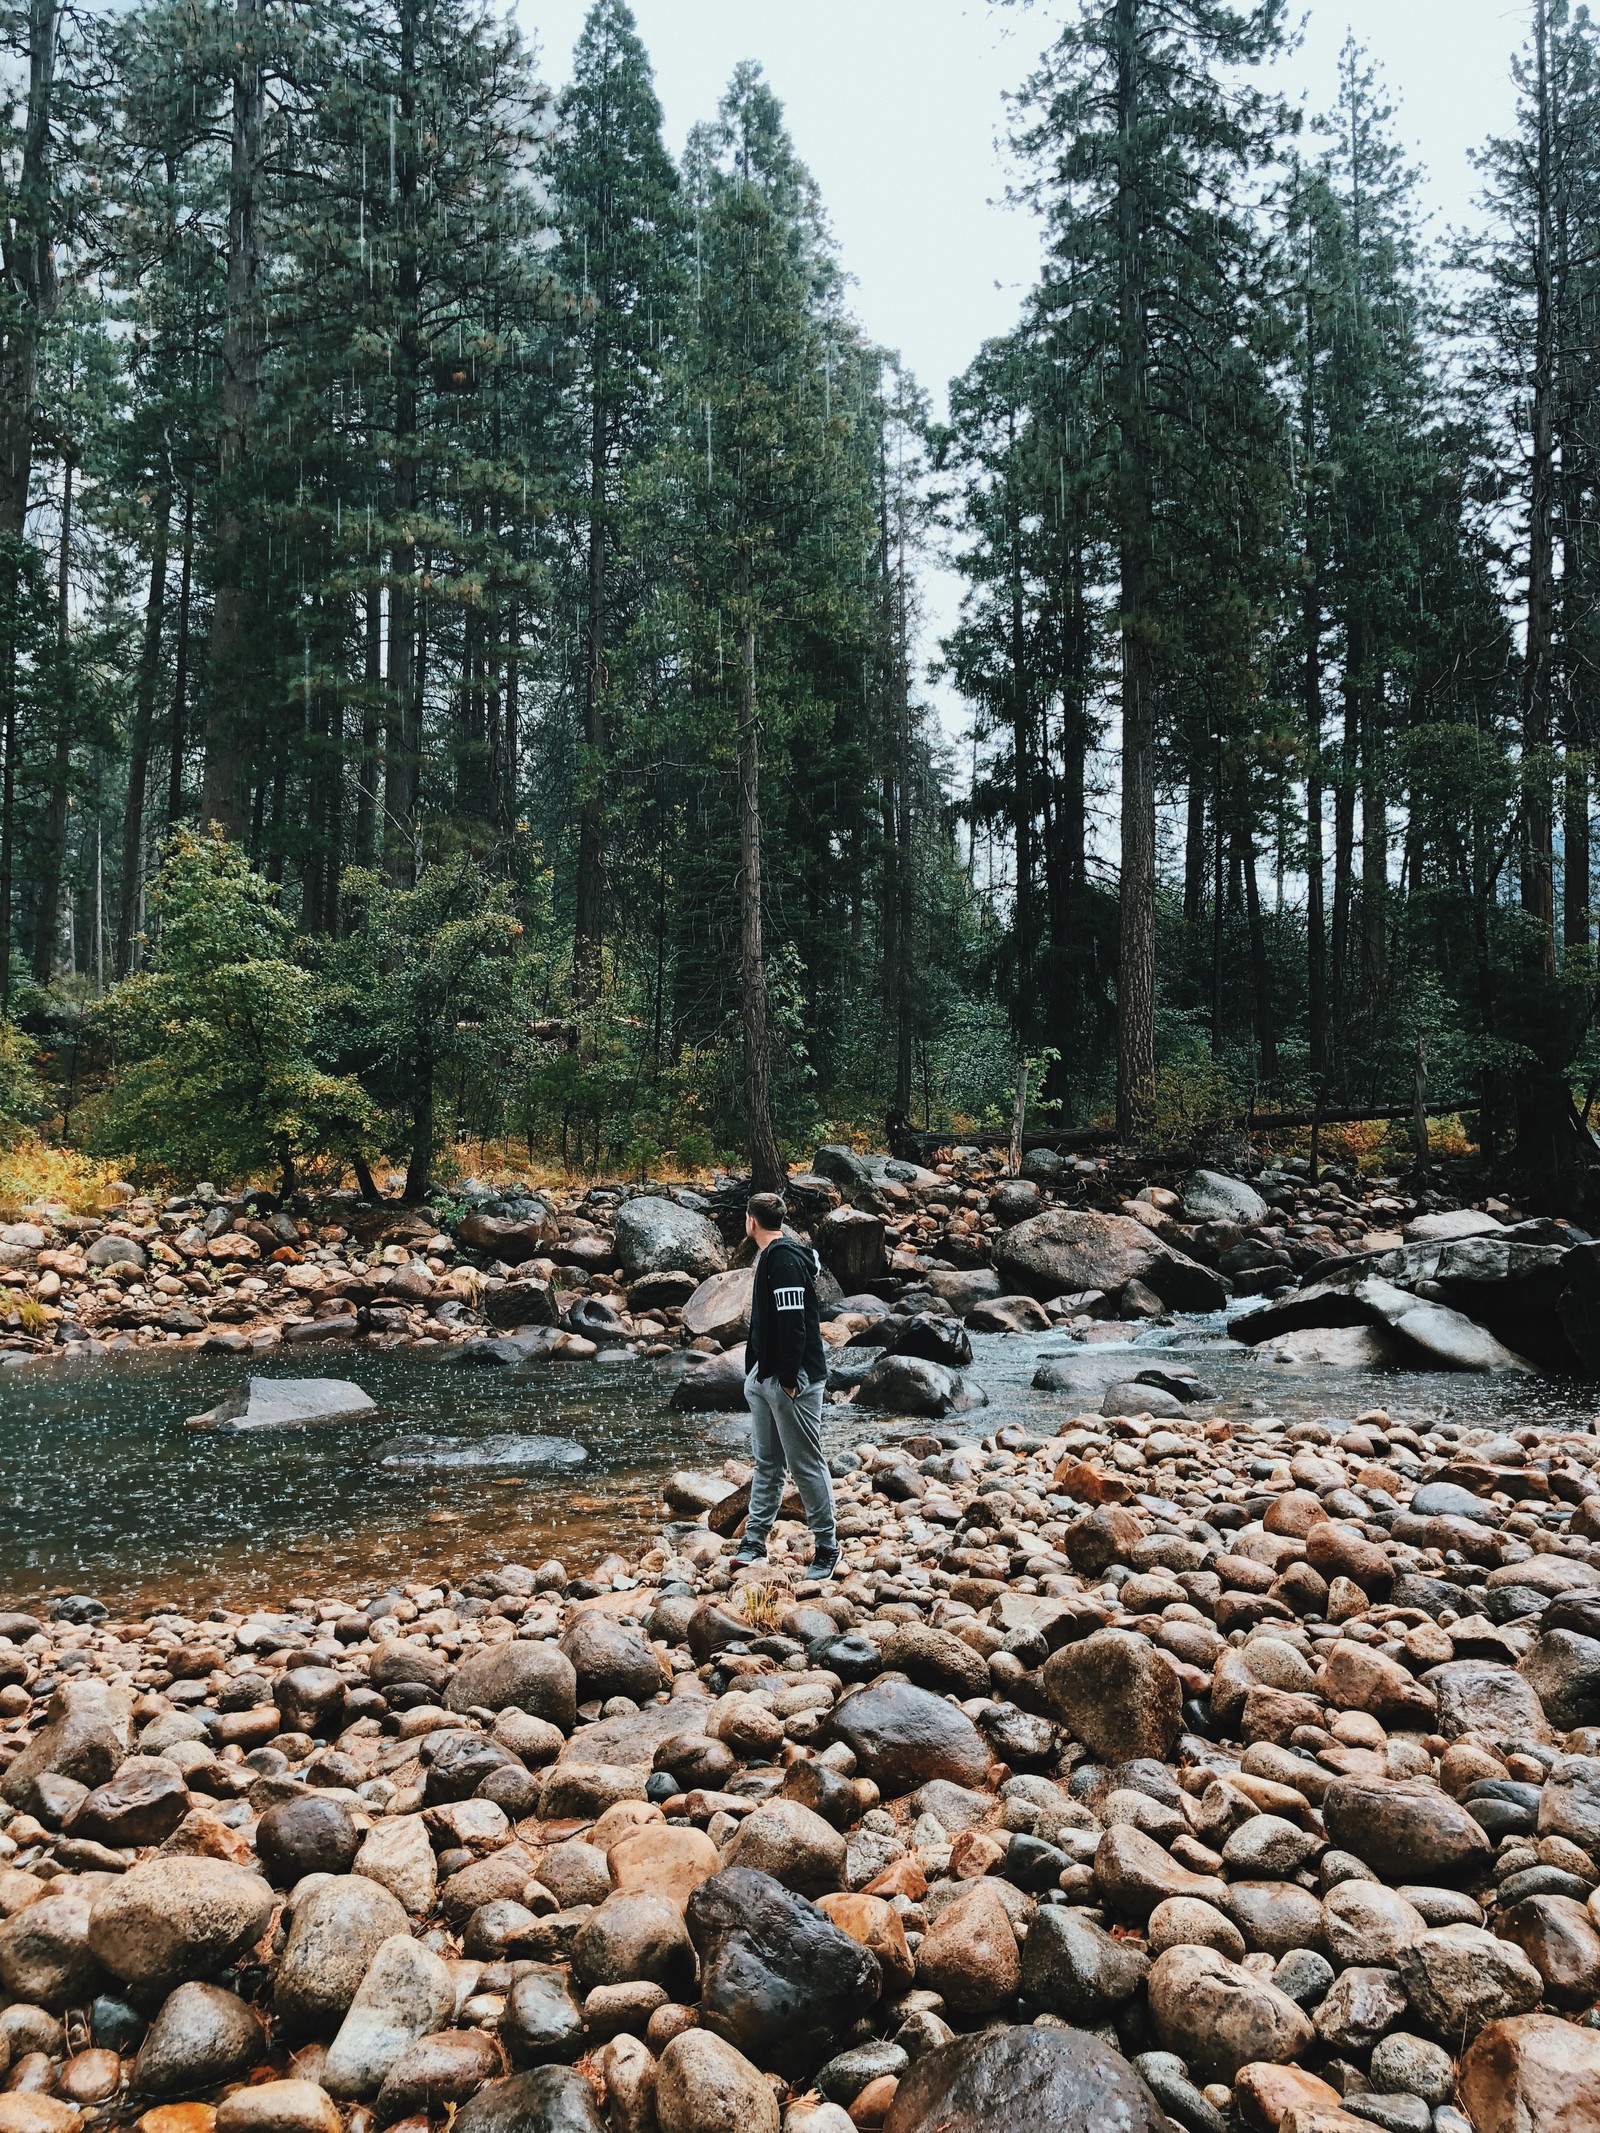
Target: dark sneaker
750,1552
823,1564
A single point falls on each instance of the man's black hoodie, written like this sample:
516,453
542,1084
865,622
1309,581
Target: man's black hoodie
785,1334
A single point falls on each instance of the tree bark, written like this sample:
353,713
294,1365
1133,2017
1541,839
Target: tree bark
229,679
1136,966
29,274
47,927
590,917
1538,861
144,708
1260,970
768,1170
177,738
372,683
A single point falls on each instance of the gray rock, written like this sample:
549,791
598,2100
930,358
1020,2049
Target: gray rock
1563,1670
656,1236
436,2072
1213,1196
1458,1977
286,1403
902,1736
719,1309
1163,2073
1305,1976
778,1980
117,1251
712,1384
610,1658
45,1956
338,1928
1065,1250
1412,2066
1364,1922
547,2099
1494,1702
174,1919
406,1992
1448,1225
705,2085
521,1303
1219,2016
634,1937
541,2022
792,1844
1269,1846
1404,1830
1569,1801
1360,2006
1071,1968
1116,1694
910,1385
88,1732
201,2037
1025,2081
520,1674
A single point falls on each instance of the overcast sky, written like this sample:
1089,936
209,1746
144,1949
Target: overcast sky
898,108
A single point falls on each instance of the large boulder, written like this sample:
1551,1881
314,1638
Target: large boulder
778,1980
719,1309
1563,1670
903,1736
201,2037
704,2086
526,1234
1532,2073
1459,1977
286,1403
1449,1225
1213,1196
850,1243
611,1658
711,1384
45,1956
406,1993
1116,1693
521,1303
1408,1832
87,1734
1219,2016
173,1919
1024,2081
518,1674
339,1926
656,1236
1065,1251
545,2099
910,1385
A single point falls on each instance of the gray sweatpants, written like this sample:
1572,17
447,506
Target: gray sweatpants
788,1434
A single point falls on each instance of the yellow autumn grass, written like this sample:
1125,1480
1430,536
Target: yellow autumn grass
40,1173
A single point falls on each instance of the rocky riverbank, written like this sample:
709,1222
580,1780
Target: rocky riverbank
514,1276
1176,1771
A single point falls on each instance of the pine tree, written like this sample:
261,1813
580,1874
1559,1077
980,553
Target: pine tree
616,207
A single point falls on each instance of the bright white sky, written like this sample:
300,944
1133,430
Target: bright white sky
897,106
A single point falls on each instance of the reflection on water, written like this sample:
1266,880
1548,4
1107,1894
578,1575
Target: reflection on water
103,1488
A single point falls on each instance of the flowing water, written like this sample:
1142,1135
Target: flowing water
104,1489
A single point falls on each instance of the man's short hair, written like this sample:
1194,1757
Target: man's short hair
766,1210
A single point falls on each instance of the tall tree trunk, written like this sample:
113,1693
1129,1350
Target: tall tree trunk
1538,869
1344,813
371,685
1136,965
402,764
31,291
590,916
767,1168
419,1165
29,274
177,736
1260,971
229,679
47,928
144,709
1194,851
1374,856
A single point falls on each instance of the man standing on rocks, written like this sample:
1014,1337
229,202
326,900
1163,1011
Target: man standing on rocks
786,1375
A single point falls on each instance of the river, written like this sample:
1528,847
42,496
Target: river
107,1491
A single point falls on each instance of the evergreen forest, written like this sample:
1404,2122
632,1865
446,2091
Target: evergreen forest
465,662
